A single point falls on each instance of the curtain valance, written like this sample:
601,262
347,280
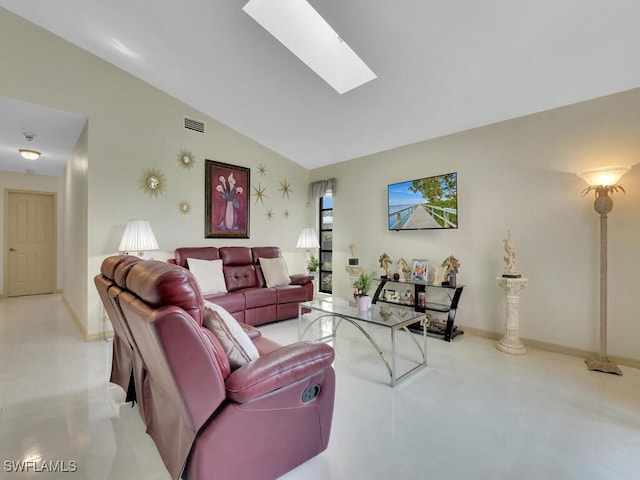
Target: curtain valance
321,188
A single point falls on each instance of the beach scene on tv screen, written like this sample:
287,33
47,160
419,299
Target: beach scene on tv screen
430,202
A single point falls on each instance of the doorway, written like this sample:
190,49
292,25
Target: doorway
30,242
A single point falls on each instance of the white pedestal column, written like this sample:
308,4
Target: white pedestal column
512,287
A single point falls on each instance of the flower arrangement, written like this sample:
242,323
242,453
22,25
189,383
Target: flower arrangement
229,191
363,284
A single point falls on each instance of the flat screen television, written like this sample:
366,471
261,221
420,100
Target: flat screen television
424,203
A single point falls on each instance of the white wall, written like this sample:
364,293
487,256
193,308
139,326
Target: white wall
519,176
34,183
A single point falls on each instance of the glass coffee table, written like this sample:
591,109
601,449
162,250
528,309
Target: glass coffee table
320,319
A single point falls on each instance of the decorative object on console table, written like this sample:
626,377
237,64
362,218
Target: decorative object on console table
512,287
404,270
419,269
451,266
602,181
385,264
436,276
138,237
226,200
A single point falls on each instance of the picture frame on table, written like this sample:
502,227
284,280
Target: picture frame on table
419,269
226,192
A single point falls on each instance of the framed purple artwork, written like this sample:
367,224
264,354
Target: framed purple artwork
226,192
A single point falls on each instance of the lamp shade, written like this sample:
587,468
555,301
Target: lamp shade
308,239
138,237
603,176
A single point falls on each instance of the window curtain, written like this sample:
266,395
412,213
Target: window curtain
321,188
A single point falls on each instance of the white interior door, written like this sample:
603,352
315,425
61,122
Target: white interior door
30,234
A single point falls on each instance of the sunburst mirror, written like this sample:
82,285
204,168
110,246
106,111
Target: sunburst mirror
153,182
186,159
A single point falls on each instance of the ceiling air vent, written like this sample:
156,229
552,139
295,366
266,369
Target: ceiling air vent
195,125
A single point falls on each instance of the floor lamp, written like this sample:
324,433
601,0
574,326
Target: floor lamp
603,182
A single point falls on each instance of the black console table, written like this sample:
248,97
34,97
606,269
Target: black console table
445,301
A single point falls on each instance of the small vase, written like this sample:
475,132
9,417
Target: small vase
229,214
363,303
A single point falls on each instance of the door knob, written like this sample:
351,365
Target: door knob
12,250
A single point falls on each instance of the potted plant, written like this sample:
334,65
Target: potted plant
361,288
312,265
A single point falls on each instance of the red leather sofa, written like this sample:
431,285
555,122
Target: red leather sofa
248,299
208,422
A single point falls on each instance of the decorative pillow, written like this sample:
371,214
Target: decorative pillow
209,275
275,271
237,345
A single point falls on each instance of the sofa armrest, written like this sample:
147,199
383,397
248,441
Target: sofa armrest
250,330
300,279
278,369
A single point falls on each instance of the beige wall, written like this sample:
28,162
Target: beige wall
520,176
134,127
74,235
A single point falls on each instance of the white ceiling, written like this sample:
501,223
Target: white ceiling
55,136
443,66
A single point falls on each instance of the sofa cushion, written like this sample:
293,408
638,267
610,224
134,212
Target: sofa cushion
275,271
291,293
259,297
209,275
240,276
203,253
237,345
232,302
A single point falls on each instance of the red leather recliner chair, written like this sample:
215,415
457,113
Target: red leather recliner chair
257,422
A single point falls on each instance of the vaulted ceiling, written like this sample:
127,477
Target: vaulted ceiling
442,66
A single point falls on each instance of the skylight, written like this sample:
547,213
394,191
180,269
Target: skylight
300,28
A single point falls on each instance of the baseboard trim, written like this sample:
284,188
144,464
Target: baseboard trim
83,331
552,347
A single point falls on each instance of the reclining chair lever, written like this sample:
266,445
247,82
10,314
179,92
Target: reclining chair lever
310,393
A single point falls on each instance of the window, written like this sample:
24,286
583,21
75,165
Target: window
326,244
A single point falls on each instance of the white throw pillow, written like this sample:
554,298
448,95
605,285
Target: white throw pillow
275,271
237,345
209,275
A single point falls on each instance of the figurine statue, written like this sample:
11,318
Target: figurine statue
404,269
451,265
510,259
385,263
353,248
436,275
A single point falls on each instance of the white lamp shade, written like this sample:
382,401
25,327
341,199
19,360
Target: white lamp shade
138,237
603,176
308,239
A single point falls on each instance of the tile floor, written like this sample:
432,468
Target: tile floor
473,413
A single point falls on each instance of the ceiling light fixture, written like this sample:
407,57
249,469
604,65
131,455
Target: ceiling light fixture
29,154
300,28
